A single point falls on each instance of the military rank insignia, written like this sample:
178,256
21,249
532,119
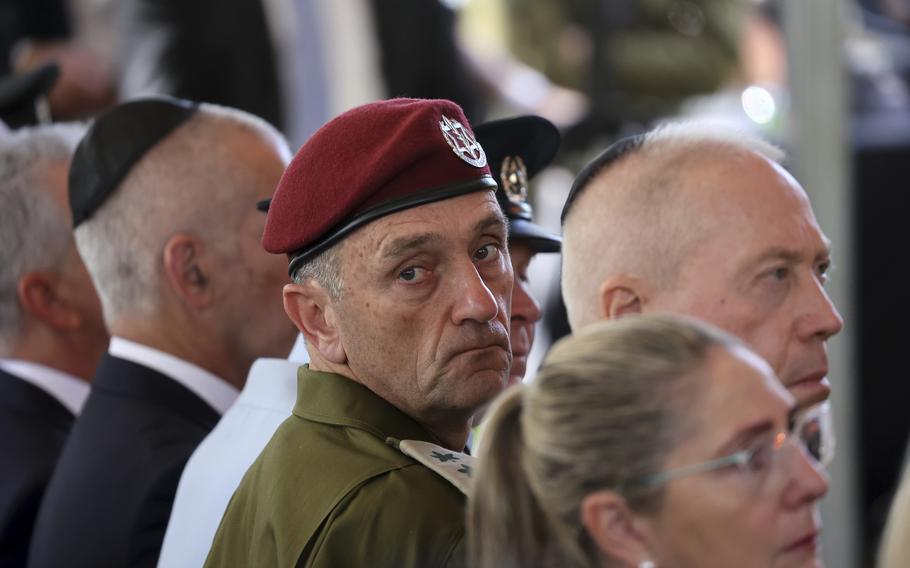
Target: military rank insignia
455,467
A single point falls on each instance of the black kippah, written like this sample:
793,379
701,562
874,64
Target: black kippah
616,151
113,145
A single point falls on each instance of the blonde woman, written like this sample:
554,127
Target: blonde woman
646,442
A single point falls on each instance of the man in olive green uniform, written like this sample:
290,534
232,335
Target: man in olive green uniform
402,285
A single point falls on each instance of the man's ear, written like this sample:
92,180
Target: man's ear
621,295
610,524
311,309
39,297
188,270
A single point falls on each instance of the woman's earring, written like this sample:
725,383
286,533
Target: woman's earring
646,564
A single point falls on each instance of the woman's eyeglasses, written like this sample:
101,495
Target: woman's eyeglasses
761,457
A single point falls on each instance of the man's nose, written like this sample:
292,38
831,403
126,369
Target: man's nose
473,299
524,306
820,318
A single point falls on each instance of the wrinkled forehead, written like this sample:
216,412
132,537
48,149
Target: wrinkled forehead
441,225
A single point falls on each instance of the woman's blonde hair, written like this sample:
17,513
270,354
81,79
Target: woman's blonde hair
894,551
607,407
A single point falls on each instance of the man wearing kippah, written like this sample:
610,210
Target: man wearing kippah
163,196
402,284
706,223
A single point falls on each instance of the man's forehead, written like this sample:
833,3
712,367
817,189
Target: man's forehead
442,221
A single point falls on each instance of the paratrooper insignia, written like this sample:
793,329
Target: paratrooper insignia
462,142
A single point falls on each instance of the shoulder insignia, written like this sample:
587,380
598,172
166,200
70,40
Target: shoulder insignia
455,467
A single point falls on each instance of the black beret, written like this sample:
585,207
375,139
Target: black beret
114,143
534,141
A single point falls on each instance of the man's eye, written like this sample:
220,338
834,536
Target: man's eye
486,252
412,274
780,273
823,271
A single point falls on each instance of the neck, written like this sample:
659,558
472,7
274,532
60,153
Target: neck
449,428
453,436
200,347
60,352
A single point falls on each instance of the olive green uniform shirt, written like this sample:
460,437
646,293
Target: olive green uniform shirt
328,491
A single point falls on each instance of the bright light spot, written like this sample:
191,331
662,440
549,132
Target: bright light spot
759,104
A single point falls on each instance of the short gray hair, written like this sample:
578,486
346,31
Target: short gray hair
186,183
35,231
325,269
637,222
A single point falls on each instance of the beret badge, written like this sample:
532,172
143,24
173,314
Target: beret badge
514,177
462,142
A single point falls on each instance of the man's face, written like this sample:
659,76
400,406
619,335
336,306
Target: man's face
525,311
423,316
759,273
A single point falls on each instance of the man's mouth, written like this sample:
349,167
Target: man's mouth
813,387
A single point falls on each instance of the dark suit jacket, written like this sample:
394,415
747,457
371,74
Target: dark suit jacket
215,51
33,429
221,51
110,498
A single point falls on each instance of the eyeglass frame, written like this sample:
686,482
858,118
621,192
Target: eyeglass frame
739,458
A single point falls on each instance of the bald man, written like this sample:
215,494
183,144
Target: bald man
163,195
692,220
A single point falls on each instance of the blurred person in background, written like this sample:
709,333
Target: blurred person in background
295,63
162,193
36,32
517,149
52,335
651,441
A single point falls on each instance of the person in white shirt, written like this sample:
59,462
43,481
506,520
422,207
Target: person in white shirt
51,331
163,196
215,469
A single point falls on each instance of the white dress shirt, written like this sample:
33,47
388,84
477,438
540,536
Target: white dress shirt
215,469
216,392
70,391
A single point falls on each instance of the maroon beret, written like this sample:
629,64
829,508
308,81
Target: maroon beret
371,161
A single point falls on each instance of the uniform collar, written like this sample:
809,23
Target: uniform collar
333,399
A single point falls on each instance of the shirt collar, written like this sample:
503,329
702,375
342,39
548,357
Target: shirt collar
216,392
333,399
70,391
271,384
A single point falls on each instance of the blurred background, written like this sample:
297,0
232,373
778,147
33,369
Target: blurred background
828,80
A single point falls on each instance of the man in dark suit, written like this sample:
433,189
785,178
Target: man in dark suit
163,195
51,331
274,58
